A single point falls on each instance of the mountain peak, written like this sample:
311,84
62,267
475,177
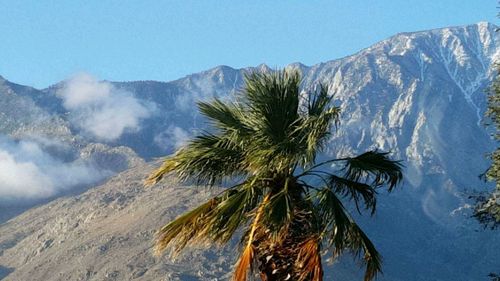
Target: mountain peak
263,67
415,94
485,24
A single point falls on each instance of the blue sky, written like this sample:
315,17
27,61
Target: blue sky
43,42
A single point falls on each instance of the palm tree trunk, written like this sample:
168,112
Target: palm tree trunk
275,264
279,260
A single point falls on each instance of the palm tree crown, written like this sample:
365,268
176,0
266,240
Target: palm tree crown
290,208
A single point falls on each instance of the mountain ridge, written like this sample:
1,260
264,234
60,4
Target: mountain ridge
415,94
478,24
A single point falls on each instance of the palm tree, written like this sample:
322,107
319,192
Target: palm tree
290,208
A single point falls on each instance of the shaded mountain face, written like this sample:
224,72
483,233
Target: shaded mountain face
419,95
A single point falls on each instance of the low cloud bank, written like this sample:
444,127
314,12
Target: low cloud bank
172,138
28,173
101,110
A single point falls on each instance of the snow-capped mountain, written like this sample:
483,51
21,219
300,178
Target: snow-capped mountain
420,95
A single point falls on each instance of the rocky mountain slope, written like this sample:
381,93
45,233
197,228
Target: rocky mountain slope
419,95
103,234
42,156
107,234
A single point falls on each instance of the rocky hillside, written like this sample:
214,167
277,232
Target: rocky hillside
42,157
104,234
419,95
107,234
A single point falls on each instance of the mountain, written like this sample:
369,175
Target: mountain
420,95
41,155
103,234
107,233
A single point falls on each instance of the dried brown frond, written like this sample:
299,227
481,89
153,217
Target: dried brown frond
247,258
309,260
245,262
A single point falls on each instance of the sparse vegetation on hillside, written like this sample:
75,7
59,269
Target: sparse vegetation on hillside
488,206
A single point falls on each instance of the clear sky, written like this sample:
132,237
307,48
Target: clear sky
43,42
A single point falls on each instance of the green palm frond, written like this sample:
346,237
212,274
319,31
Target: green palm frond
319,101
225,116
214,221
313,132
166,167
335,219
363,248
233,212
355,191
278,212
267,142
342,233
207,158
375,166
273,103
185,228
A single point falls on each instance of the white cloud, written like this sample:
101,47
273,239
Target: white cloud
185,102
27,172
100,109
172,138
22,180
